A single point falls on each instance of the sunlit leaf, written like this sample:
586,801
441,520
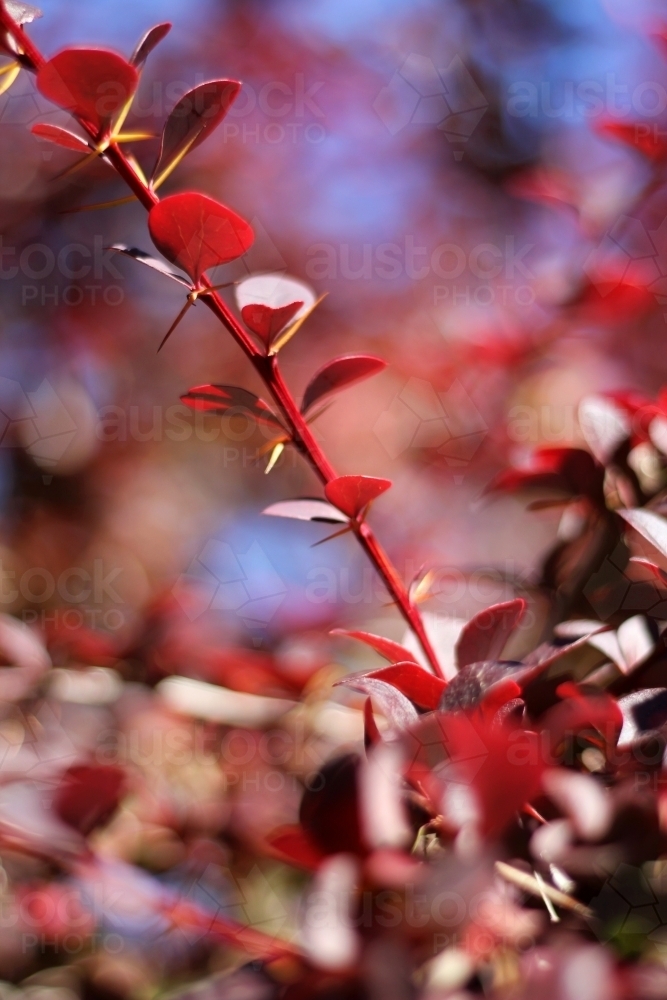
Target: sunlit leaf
277,451
61,137
604,425
352,494
294,327
396,708
655,570
195,116
149,261
485,636
268,302
221,399
92,83
197,233
152,38
650,526
22,13
339,373
392,651
306,510
8,76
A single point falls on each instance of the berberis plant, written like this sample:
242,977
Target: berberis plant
502,830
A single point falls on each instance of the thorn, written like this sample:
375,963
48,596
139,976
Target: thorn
329,538
174,324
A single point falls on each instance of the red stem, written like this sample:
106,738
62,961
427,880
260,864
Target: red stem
266,367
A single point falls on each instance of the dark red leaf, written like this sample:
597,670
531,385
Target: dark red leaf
195,116
392,651
329,810
220,399
88,795
352,494
267,322
485,636
196,233
422,688
572,471
339,373
152,38
292,845
61,137
92,83
475,682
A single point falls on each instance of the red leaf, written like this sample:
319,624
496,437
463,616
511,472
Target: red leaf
422,688
220,399
61,137
352,494
499,767
267,322
292,845
338,373
92,83
572,471
152,38
392,651
580,712
485,635
195,116
196,232
329,810
88,795
643,137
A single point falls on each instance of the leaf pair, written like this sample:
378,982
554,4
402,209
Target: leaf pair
219,400
98,86
195,233
349,497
